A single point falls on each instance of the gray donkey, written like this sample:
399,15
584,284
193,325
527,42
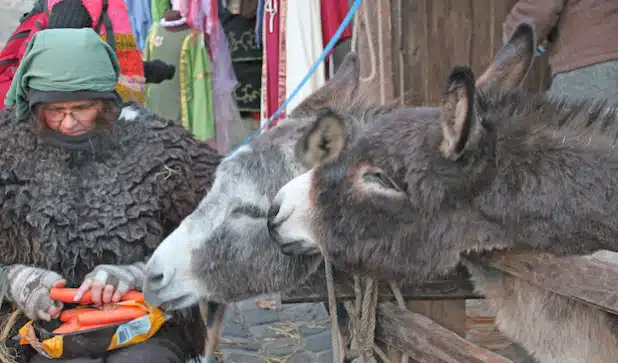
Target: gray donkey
491,168
223,251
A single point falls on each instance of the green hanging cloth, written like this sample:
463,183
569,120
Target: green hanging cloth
188,96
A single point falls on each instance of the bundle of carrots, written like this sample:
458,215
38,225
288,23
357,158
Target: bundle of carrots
85,318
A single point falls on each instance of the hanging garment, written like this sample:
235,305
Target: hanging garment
202,16
259,23
333,12
131,81
139,13
231,130
303,47
282,66
158,8
246,8
270,60
188,96
246,58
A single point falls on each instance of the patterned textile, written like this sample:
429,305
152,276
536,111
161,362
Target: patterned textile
131,82
246,59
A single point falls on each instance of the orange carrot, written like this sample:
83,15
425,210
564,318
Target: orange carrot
66,295
68,327
69,314
73,326
133,295
111,316
88,327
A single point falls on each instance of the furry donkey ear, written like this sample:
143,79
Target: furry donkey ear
340,89
513,61
457,112
324,139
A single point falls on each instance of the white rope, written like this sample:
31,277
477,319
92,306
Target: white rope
368,33
381,54
334,320
402,304
402,98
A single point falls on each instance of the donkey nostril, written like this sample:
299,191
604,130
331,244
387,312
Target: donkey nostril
159,280
273,212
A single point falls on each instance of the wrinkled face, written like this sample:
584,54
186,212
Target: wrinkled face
397,204
71,118
223,251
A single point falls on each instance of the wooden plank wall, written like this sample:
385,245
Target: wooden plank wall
435,35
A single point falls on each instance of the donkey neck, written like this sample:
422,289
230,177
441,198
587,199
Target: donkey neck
556,184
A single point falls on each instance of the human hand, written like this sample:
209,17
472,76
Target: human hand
109,283
29,289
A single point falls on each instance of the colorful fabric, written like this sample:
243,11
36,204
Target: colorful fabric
52,64
282,65
13,51
333,12
303,47
157,9
131,83
224,81
188,96
164,99
196,89
259,23
139,13
272,58
246,59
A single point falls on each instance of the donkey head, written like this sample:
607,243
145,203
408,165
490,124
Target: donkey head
393,203
223,251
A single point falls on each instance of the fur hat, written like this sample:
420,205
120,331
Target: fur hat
69,14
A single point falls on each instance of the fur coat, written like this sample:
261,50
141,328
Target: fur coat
69,211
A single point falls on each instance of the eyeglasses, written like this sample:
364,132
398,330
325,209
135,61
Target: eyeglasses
81,113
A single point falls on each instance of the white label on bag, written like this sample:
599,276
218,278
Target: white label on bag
133,328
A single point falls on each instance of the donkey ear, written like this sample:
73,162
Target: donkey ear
323,141
457,112
341,88
513,61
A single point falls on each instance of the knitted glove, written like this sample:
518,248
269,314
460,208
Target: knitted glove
109,283
157,71
29,289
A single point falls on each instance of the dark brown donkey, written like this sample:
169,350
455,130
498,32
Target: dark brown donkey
491,168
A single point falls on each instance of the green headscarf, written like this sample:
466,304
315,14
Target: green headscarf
63,61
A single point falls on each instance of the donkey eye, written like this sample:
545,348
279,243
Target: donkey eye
381,179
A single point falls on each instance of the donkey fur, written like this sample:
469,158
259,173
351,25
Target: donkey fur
491,168
69,211
223,250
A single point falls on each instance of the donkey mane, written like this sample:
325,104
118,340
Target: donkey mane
517,110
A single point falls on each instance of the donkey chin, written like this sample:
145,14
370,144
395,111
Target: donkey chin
289,217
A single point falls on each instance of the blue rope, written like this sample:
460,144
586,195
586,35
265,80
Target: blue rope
329,47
